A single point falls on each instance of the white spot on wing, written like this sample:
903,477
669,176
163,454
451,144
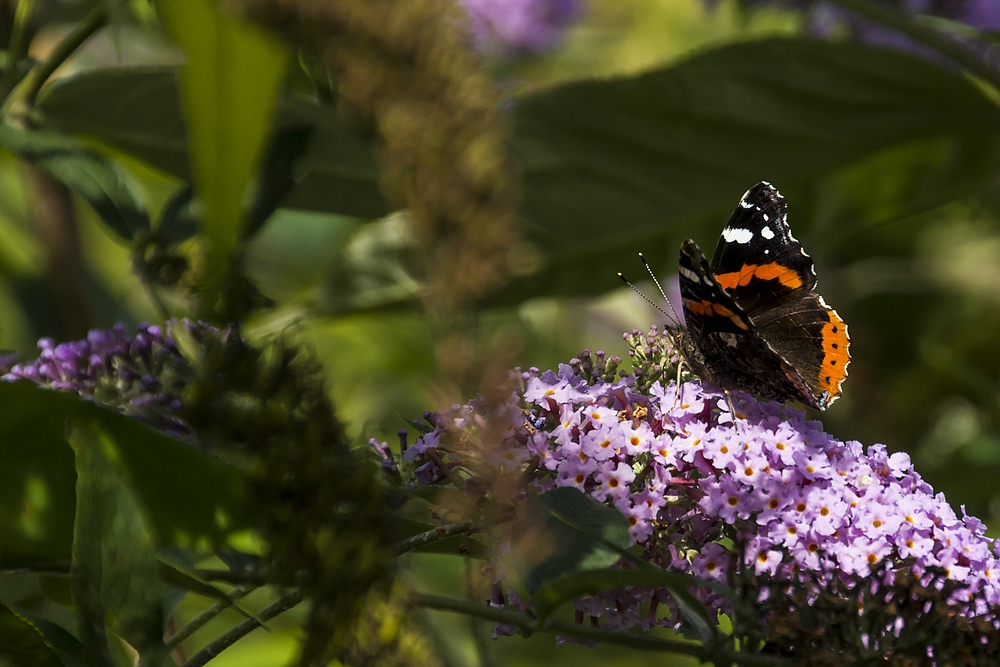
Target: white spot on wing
765,217
767,233
737,235
689,274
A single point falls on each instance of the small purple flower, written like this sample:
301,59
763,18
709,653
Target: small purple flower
141,375
520,26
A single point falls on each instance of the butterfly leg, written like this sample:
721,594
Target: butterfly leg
677,383
732,410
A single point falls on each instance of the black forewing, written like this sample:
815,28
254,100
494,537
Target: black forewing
757,260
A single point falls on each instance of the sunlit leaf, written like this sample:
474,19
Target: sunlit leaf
190,498
115,570
229,88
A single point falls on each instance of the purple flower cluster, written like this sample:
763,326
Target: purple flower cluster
519,26
139,375
761,492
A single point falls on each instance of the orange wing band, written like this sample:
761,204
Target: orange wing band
706,308
771,271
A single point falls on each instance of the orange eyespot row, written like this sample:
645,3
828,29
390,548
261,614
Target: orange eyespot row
771,271
835,355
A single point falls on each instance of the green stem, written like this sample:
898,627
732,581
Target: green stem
529,625
431,536
211,651
204,617
27,91
930,37
17,46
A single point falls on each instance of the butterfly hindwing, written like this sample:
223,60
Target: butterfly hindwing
811,337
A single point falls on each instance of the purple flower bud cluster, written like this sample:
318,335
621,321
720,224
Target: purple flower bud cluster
760,492
139,375
519,26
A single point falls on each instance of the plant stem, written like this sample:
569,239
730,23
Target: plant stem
529,625
411,543
27,91
246,627
230,576
930,37
204,617
17,46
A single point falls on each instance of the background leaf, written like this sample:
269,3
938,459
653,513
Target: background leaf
564,531
138,110
115,571
26,639
229,84
191,499
617,166
103,184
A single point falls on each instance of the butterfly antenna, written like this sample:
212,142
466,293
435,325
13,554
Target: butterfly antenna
645,298
677,320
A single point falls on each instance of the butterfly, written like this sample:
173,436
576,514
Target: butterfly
754,320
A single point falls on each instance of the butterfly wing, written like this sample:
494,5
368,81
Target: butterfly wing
757,260
767,272
734,354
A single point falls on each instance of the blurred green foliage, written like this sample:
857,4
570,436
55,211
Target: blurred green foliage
643,129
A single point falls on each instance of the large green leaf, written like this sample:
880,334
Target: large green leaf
115,570
37,478
564,531
138,110
229,88
191,499
617,166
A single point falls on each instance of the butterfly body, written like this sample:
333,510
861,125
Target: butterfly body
753,315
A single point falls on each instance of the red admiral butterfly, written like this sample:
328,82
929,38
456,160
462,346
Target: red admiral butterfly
755,323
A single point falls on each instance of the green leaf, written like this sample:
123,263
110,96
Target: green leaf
178,220
37,478
28,640
552,596
137,110
277,174
115,570
192,499
104,185
188,582
229,87
617,166
564,531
